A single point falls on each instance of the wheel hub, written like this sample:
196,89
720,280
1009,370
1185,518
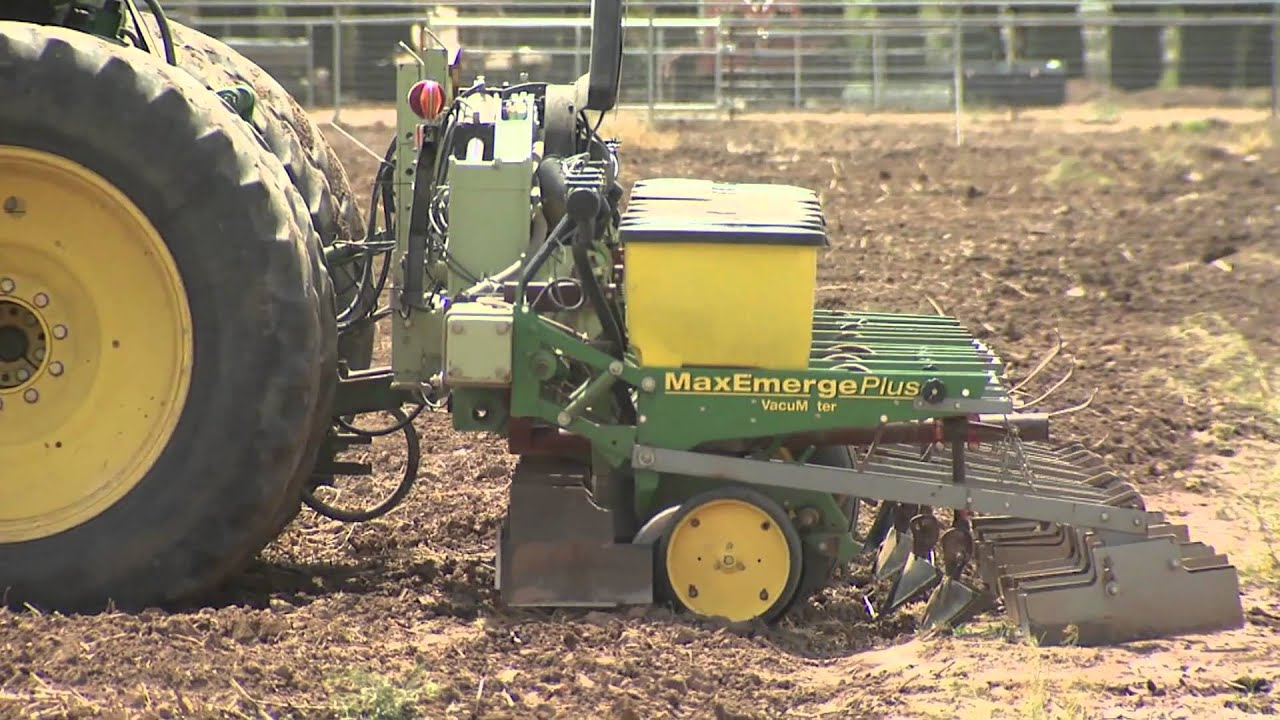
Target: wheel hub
95,345
23,344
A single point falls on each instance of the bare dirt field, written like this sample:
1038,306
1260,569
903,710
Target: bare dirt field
1149,240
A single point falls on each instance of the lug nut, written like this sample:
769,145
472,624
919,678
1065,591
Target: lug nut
60,332
55,369
39,354
23,375
31,395
7,285
41,300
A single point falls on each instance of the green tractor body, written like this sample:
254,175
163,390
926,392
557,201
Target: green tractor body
691,428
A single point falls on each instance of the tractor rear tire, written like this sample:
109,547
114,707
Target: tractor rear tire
308,158
209,221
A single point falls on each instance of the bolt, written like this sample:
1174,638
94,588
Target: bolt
1106,517
728,560
41,300
615,368
693,591
60,332
23,375
645,458
1113,589
7,285
764,594
14,205
55,369
39,354
457,329
31,395
648,384
563,418
806,518
1174,564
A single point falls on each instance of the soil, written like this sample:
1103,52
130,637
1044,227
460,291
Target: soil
1150,248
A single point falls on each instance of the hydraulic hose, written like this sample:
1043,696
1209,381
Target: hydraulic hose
166,32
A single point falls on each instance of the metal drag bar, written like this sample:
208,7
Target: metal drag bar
926,486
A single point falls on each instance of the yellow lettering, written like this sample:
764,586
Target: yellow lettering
913,388
678,382
792,386
742,383
702,384
827,388
892,390
723,384
848,388
870,383
785,405
767,386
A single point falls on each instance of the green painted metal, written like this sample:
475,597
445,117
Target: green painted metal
241,99
489,218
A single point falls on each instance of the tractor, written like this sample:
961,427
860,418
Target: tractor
691,428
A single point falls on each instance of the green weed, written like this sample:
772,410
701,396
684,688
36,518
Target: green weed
1075,171
372,696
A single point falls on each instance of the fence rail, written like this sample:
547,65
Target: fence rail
904,55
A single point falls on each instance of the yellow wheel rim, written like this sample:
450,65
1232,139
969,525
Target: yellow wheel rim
728,558
95,345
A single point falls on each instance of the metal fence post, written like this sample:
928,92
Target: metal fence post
311,66
957,78
653,68
337,62
1275,59
796,81
719,68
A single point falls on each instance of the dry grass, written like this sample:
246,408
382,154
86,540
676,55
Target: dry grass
637,130
1234,374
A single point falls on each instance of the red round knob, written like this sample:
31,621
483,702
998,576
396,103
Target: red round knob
426,99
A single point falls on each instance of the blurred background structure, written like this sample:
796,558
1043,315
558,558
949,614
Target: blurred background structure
775,54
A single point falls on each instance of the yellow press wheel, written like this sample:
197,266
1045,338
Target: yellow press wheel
95,344
731,553
167,334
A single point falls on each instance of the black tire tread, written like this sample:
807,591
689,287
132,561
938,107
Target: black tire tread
185,529
308,158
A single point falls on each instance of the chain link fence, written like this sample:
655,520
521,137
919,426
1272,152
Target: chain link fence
744,55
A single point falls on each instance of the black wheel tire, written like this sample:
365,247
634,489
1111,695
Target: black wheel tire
265,350
308,158
662,587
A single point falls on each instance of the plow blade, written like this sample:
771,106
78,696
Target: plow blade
949,605
1065,585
